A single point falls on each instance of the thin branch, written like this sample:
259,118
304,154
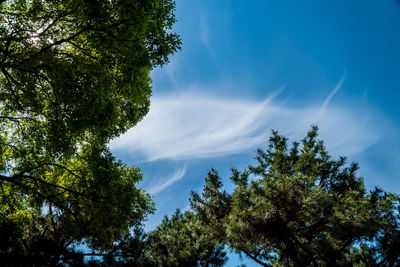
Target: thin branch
10,145
13,181
16,67
47,164
254,258
7,74
14,118
12,178
83,50
6,51
73,36
10,83
52,185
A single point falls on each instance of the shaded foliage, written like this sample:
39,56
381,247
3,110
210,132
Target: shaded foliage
42,247
177,241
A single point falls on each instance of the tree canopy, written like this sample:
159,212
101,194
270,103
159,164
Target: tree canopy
177,241
299,207
76,67
73,75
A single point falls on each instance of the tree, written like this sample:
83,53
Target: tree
41,248
302,208
177,241
73,69
73,75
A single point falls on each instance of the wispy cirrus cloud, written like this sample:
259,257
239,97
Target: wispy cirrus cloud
331,95
194,125
175,177
204,30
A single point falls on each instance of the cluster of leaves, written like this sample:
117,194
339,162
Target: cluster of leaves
301,208
73,75
94,197
75,68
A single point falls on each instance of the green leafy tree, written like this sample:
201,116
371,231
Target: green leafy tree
43,247
73,70
301,208
73,75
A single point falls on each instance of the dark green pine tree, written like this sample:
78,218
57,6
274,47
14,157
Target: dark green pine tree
301,208
177,241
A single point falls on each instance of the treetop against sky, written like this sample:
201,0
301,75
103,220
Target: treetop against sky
245,69
75,75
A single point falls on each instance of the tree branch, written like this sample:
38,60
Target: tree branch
13,118
46,164
73,36
8,75
13,181
254,258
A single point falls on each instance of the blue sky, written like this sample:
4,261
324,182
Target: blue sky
247,67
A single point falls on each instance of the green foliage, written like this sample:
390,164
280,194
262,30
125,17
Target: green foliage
77,69
73,75
302,208
45,245
177,241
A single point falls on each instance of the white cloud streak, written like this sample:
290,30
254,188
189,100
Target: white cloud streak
193,125
204,30
178,175
205,34
330,96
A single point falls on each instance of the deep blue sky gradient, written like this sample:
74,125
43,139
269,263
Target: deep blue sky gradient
249,50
